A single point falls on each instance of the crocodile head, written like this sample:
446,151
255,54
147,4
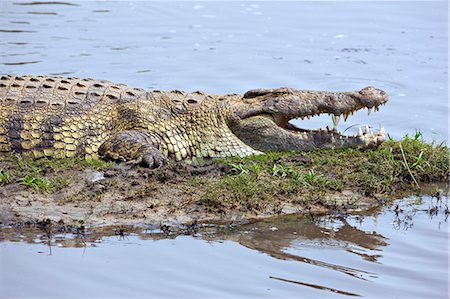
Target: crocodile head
261,118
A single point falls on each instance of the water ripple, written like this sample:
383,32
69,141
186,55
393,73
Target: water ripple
20,63
46,3
15,30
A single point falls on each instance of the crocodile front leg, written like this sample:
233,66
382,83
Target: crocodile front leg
133,147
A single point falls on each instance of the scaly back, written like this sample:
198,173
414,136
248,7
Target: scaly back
60,95
54,116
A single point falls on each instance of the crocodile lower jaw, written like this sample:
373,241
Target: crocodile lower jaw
365,135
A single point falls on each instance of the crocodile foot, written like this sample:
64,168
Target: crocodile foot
132,147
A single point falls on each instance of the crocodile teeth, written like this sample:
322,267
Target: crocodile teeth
345,116
368,111
381,133
377,108
367,130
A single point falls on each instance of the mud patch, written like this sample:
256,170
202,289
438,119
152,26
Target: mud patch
99,193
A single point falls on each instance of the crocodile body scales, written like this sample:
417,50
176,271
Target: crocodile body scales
66,117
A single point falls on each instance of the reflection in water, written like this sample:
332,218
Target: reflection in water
273,237
327,243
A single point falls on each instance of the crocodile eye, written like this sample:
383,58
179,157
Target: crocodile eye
192,101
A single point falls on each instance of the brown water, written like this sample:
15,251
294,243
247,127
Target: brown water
225,47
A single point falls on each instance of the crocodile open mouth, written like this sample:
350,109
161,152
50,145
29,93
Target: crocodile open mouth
264,122
364,132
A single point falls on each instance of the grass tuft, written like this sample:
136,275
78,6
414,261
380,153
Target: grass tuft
256,180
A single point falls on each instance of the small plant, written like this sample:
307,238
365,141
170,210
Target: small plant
419,161
239,169
311,177
417,136
283,171
4,177
37,183
255,168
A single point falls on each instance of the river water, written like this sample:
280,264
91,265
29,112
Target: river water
225,47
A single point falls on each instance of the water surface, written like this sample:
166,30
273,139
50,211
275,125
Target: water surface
399,251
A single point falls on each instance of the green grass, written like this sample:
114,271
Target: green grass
4,177
260,182
34,173
37,183
254,181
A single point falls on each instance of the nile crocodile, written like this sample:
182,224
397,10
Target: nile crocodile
66,117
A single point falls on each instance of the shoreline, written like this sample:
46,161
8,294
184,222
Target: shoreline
97,193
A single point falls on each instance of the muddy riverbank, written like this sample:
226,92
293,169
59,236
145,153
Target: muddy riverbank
91,193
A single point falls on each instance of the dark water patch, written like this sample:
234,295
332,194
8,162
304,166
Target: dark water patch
42,13
46,3
355,50
101,10
15,31
19,22
120,48
18,43
21,62
143,71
